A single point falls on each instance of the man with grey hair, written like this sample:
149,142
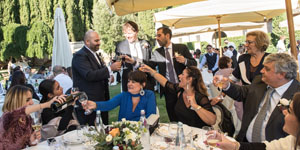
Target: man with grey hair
90,74
64,80
263,119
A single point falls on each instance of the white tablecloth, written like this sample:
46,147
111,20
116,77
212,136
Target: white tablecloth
154,139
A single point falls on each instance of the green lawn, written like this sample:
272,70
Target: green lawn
113,114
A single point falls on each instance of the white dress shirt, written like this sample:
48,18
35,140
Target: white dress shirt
274,101
95,55
64,81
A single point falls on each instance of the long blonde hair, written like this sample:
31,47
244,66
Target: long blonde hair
15,98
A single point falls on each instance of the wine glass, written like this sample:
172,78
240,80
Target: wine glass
212,139
74,89
204,136
36,124
123,60
83,99
220,86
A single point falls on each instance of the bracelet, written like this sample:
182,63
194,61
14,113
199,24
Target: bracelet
237,145
153,74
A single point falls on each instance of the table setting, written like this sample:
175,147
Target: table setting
163,138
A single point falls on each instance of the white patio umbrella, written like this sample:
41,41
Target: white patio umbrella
62,54
124,7
220,11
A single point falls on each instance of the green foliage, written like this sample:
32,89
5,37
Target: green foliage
40,40
278,31
25,12
10,11
74,23
14,41
237,40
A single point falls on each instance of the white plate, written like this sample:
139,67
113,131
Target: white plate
163,130
160,145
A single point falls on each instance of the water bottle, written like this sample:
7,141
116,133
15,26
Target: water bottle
145,134
180,139
99,123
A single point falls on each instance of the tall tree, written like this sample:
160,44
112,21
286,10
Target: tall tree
25,12
74,22
40,40
14,41
10,12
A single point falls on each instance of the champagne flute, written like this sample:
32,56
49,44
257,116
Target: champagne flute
220,86
36,124
83,99
74,90
204,136
122,56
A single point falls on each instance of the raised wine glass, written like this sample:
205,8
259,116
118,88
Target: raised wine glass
36,124
220,86
83,99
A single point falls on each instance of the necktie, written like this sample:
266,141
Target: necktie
100,60
170,67
257,127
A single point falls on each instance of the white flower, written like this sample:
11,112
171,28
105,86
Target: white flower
126,130
108,138
284,102
123,120
131,136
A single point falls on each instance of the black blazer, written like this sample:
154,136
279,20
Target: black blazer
252,95
123,48
158,59
89,76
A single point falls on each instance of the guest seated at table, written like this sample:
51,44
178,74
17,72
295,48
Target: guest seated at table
192,106
61,121
40,74
132,102
15,123
18,78
291,126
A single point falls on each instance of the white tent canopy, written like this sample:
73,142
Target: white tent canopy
230,11
62,54
123,7
213,28
296,23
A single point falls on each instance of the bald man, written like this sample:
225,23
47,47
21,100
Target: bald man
90,74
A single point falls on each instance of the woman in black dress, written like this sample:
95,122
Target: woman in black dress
192,106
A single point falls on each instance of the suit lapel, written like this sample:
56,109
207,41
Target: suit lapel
288,94
92,57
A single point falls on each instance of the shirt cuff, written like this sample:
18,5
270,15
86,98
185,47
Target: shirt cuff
109,71
226,89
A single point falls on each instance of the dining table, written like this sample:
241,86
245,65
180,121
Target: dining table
160,139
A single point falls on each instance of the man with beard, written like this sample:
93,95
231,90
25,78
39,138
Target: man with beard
171,60
90,74
135,51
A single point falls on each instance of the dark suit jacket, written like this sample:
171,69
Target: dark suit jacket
123,48
89,76
160,60
252,95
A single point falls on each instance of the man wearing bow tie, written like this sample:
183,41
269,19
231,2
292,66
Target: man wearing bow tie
90,74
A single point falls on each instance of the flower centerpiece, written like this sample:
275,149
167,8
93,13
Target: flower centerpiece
125,134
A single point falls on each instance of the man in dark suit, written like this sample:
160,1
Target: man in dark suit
171,60
90,74
136,51
263,120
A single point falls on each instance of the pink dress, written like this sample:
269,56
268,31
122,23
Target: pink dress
15,129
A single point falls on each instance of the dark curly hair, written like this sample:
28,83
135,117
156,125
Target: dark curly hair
197,80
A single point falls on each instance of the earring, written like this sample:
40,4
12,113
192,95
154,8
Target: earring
142,92
187,86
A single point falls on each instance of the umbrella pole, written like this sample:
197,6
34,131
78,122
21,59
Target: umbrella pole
219,35
290,20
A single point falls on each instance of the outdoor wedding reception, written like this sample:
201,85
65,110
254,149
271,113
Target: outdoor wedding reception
149,75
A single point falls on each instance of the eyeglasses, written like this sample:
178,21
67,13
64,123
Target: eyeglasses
249,42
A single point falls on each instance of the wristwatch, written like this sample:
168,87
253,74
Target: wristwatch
198,108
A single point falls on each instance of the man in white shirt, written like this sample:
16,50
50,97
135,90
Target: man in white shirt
263,119
64,80
280,45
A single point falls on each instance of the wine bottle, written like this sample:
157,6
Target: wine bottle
56,106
